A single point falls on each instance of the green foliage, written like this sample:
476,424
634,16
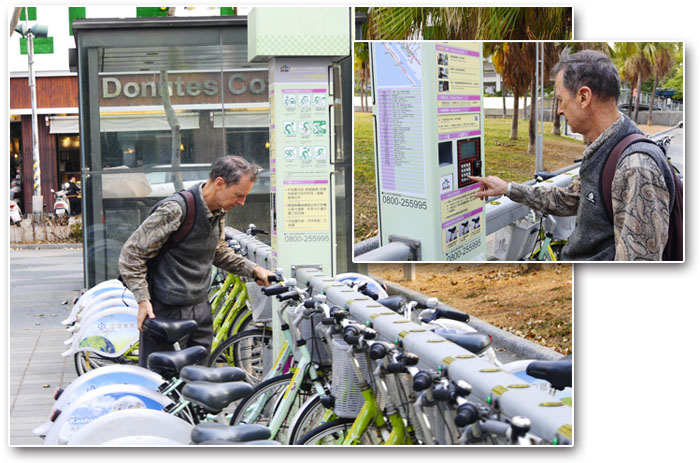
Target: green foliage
75,232
675,82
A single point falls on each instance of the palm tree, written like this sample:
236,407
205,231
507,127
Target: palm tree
361,65
635,63
663,64
511,60
449,23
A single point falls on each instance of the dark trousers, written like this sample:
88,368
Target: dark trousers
201,313
74,206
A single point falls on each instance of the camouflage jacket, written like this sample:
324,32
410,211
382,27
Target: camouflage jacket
144,244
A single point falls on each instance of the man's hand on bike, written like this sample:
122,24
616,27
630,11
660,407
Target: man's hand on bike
145,310
261,276
490,186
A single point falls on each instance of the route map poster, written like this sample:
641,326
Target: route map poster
400,118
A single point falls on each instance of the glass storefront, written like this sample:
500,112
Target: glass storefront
158,106
160,101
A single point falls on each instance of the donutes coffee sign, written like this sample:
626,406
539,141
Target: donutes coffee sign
190,88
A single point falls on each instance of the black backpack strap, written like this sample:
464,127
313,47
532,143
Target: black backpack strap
608,172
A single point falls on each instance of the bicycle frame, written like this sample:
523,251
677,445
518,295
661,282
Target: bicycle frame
221,293
371,413
235,304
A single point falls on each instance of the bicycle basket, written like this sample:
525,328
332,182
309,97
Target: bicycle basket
345,385
314,338
260,304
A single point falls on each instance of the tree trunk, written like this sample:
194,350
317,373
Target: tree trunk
629,104
532,130
525,105
653,94
556,121
514,124
174,129
639,97
503,93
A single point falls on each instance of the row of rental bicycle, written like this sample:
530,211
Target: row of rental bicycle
325,379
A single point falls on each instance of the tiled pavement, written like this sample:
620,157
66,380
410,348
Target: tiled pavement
36,369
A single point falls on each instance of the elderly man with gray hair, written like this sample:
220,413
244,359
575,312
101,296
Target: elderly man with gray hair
170,278
587,87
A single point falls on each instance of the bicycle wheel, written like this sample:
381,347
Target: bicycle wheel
266,402
241,323
87,361
260,406
309,416
333,433
245,350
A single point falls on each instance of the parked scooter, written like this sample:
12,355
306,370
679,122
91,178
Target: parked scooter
61,206
15,211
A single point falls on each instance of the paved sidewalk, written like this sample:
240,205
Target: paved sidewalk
36,370
43,284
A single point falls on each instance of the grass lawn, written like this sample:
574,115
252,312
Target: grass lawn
504,158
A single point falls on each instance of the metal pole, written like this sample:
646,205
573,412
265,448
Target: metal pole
539,101
36,191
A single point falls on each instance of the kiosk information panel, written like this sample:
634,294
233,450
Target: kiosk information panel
428,141
300,162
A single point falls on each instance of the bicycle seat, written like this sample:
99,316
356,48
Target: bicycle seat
214,397
168,364
219,432
192,373
393,302
166,330
473,342
557,372
544,174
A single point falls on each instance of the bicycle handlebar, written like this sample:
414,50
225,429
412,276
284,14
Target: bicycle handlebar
449,314
467,414
274,290
288,295
422,380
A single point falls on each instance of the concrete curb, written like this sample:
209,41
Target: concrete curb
14,246
517,345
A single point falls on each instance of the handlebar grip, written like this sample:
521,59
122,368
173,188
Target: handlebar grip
274,290
309,304
422,381
273,278
466,414
369,293
452,315
351,339
288,295
377,351
442,394
396,367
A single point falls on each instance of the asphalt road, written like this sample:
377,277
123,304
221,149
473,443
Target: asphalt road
40,281
675,149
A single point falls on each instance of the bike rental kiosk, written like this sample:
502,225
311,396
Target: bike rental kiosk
428,141
303,47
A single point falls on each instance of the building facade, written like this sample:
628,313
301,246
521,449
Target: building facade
57,97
